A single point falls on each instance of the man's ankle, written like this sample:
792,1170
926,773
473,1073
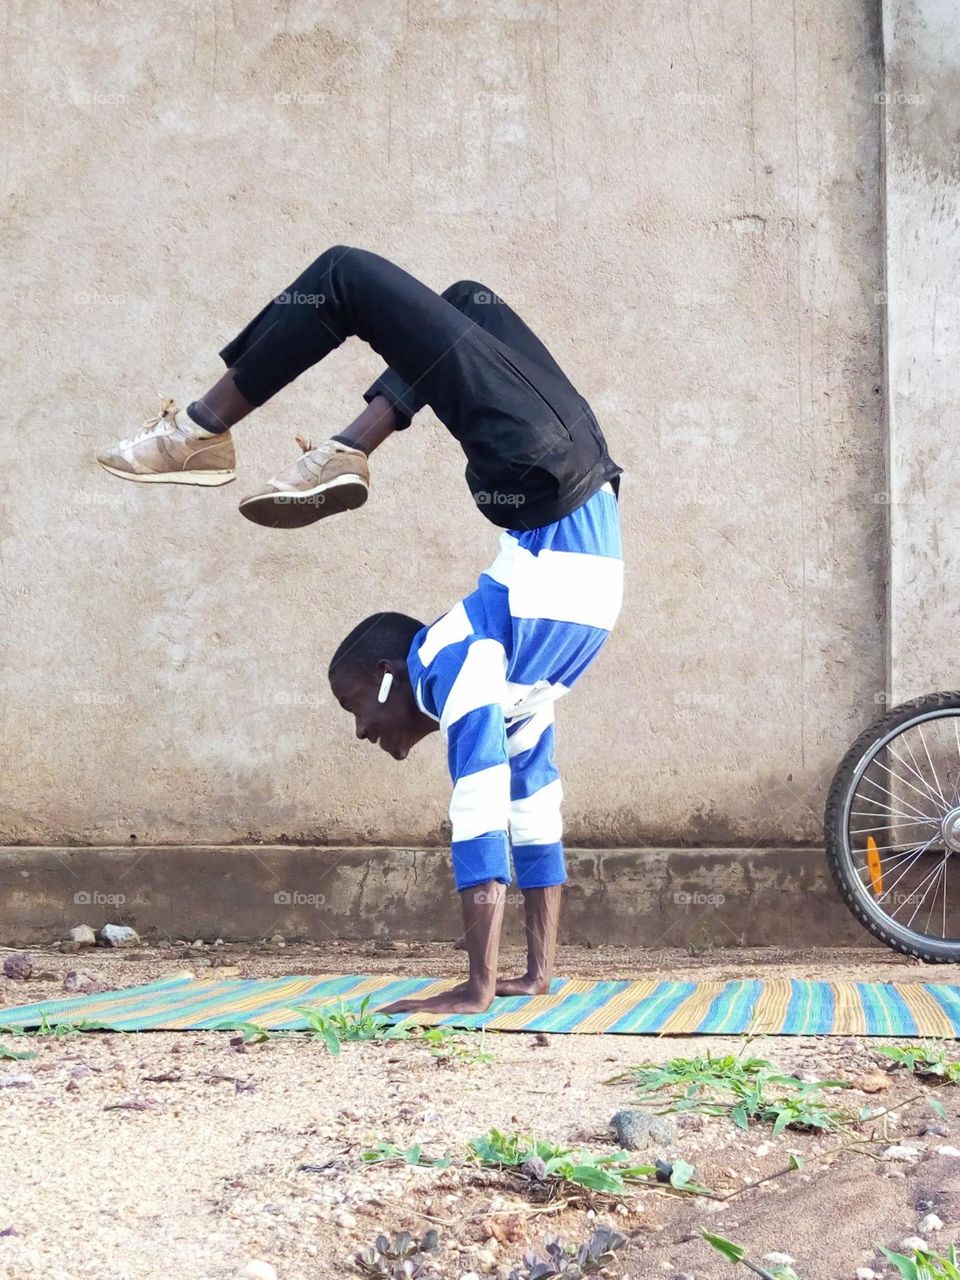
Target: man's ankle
202,417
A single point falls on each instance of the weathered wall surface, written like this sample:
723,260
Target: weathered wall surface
683,201
922,43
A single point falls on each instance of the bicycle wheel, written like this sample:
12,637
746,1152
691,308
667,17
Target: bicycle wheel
892,828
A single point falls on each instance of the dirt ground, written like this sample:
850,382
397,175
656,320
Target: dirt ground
221,1156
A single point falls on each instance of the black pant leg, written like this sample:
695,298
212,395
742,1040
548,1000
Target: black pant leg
444,358
479,303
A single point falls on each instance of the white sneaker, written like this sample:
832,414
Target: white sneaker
173,452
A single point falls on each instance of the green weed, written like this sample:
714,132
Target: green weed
924,1265
928,1061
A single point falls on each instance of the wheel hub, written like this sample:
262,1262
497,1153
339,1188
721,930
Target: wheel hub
950,828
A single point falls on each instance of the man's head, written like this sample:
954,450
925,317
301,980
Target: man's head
378,647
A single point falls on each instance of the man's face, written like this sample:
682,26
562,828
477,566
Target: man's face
395,725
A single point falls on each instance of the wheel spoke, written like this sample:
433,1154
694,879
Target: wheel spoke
927,794
900,850
933,768
871,782
918,854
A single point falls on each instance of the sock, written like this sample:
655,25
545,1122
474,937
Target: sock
199,421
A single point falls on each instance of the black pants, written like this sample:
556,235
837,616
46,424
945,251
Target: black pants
466,354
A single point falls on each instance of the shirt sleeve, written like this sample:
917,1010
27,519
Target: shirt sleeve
468,687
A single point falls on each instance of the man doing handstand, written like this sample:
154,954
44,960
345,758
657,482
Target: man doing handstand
487,673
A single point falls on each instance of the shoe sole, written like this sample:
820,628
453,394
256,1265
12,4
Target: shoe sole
173,477
294,510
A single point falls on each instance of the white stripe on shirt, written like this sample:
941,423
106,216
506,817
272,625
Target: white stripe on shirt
453,626
481,802
565,586
536,819
479,682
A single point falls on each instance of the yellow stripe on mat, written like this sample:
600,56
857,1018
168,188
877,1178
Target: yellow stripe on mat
187,991
687,1017
848,1009
368,988
536,1006
604,1017
770,1011
927,1012
292,988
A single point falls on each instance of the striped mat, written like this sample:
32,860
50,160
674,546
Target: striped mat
777,1006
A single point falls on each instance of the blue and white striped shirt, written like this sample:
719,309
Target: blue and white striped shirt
491,669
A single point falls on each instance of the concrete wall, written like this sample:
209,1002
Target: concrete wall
922,144
684,201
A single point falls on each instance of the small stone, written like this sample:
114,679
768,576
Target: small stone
948,1151
278,940
68,948
469,1275
82,935
764,1149
345,1220
257,1270
17,1082
914,1243
119,935
866,1273
164,944
901,1153
218,942
18,966
935,1131
197,944
871,1081
641,1130
778,1259
930,1223
82,983
486,1260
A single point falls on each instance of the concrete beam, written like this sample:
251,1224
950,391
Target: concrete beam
622,897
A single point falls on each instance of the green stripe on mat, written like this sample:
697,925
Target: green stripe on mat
622,1007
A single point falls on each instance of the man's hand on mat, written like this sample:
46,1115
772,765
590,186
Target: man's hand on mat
460,999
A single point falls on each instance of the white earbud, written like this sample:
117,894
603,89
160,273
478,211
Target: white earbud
385,686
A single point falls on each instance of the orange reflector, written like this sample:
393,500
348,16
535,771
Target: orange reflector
873,866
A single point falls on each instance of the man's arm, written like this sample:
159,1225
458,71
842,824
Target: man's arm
472,725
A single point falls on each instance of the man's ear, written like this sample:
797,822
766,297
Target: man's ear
396,666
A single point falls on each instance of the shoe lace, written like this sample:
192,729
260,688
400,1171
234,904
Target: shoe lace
168,413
